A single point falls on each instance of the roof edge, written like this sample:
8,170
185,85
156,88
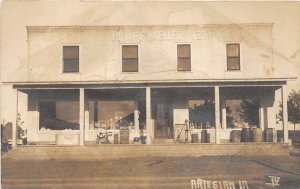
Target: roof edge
149,81
32,28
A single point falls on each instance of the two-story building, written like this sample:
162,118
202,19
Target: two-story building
145,83
145,70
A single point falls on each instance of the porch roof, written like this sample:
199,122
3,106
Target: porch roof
152,83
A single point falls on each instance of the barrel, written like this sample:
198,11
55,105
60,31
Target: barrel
208,138
280,140
116,139
204,136
246,135
269,134
195,138
256,135
235,136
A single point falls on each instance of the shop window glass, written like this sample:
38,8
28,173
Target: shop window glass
202,113
59,115
111,114
242,113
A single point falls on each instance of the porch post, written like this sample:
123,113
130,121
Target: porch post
217,113
15,119
261,117
86,115
81,115
284,114
136,117
224,121
148,114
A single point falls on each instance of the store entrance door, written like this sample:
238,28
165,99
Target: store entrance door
163,121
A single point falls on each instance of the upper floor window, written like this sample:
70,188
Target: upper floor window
184,57
70,59
233,56
130,58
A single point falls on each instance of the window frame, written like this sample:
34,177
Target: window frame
138,57
202,98
190,57
37,106
105,99
227,57
62,57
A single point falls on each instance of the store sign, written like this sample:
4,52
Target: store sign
158,35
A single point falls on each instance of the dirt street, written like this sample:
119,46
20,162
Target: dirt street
155,172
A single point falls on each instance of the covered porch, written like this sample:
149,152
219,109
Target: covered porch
150,113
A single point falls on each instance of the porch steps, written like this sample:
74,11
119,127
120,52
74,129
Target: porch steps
122,151
163,141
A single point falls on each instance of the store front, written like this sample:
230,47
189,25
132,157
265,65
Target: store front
144,115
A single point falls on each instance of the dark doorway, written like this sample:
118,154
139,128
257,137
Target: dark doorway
163,119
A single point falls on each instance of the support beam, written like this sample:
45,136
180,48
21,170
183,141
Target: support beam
224,121
15,118
148,114
217,113
284,114
81,115
86,116
261,118
136,117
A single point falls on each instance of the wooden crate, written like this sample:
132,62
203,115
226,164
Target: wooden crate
124,135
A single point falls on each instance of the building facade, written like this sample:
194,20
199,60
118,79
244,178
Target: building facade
146,83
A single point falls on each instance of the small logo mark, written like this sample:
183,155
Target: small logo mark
274,181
